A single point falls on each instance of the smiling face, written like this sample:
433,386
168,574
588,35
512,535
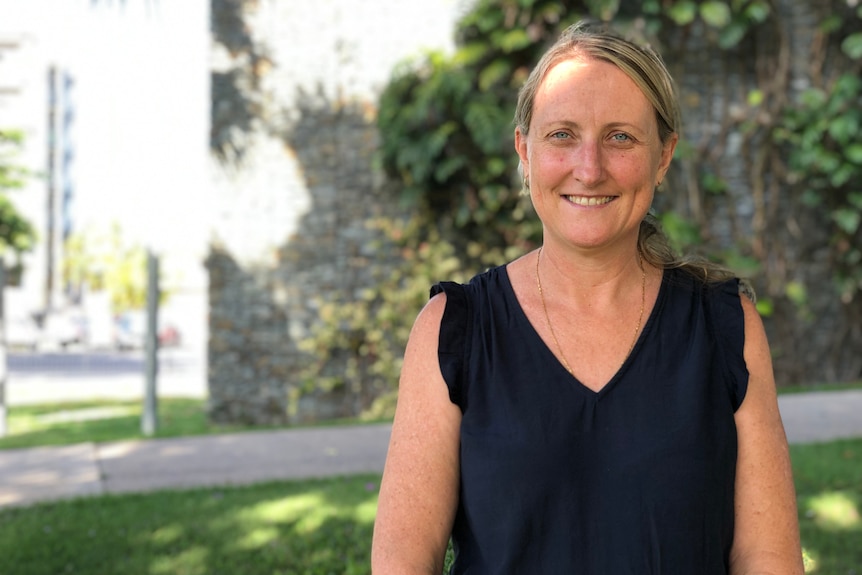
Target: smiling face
593,155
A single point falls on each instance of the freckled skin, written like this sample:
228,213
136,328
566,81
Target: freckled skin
593,134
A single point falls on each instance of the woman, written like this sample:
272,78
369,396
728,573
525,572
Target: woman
595,406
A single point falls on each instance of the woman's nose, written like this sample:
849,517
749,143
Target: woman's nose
587,163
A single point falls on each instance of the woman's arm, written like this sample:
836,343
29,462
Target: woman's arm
766,536
419,491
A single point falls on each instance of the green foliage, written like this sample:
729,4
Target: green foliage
681,232
104,260
852,45
11,176
822,133
447,127
16,232
366,337
732,20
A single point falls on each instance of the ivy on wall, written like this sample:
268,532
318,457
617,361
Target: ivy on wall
447,139
823,136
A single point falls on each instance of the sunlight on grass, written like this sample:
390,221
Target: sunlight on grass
366,511
167,534
809,561
87,414
261,529
258,537
66,423
305,513
316,518
285,509
190,562
29,419
833,510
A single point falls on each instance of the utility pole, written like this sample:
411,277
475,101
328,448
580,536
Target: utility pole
149,416
50,240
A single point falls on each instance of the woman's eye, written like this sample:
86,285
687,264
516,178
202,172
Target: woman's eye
559,135
620,137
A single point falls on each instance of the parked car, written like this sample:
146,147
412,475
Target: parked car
130,332
22,332
63,328
169,336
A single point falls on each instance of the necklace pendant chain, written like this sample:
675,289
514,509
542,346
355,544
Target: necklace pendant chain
551,328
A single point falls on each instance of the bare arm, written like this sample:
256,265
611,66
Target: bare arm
419,492
766,536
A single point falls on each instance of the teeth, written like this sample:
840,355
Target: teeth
589,200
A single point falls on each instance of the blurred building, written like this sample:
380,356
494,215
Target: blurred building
113,99
237,133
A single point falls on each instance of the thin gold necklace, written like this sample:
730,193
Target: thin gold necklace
551,328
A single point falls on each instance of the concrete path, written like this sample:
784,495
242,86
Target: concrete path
42,473
31,475
822,416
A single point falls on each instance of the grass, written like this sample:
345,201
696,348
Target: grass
828,480
309,527
99,421
324,527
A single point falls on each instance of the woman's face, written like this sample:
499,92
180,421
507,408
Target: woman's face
593,155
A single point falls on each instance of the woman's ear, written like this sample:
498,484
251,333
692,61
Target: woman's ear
521,149
667,150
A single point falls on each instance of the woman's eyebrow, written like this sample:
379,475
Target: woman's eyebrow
623,124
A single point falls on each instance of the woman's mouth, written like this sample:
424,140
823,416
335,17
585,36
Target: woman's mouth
589,200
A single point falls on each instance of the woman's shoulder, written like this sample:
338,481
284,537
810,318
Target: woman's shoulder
685,280
479,282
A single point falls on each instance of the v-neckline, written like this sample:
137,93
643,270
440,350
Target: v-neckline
515,303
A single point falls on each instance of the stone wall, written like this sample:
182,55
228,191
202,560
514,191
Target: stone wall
758,212
294,88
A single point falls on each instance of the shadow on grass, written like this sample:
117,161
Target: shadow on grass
311,527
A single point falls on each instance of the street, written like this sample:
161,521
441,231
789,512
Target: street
81,374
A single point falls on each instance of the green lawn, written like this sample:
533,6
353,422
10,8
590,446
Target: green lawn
324,527
98,421
309,527
102,420
829,491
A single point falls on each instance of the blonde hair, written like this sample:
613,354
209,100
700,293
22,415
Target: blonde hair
640,63
648,71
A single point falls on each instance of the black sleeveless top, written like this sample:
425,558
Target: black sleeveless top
637,478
